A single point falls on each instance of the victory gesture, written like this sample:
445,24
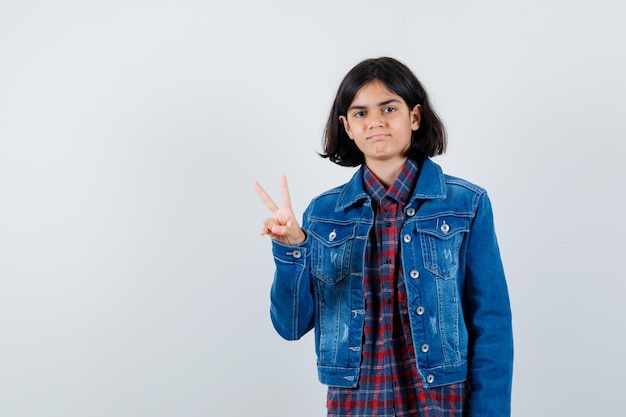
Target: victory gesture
282,226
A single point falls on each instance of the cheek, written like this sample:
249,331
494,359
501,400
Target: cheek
360,126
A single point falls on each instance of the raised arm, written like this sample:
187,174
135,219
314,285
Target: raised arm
291,299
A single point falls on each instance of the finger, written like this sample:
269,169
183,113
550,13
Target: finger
269,223
284,188
265,198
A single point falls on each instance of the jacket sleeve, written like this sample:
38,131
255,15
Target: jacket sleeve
291,307
488,315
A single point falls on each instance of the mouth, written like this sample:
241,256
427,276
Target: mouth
378,136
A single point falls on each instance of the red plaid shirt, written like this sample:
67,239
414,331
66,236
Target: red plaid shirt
389,384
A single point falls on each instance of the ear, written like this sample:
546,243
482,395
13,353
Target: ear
416,117
346,125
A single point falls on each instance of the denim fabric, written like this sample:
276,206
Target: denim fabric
457,294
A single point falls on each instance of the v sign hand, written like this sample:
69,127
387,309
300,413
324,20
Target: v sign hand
282,226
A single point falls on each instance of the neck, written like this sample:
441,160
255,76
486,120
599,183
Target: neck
386,171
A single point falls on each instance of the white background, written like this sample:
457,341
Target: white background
133,281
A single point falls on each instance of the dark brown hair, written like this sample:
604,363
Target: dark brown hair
429,140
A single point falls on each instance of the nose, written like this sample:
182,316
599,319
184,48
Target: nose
375,120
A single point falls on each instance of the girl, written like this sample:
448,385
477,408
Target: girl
398,271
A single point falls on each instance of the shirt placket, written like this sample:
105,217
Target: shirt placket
388,238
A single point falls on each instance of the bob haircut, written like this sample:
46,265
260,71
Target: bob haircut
429,140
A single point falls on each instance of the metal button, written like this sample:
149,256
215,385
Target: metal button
332,236
424,348
296,254
419,310
410,212
445,228
407,238
430,379
414,273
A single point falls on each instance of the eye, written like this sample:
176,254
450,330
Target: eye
359,114
389,109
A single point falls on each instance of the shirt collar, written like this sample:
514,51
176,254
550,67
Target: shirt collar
399,192
431,185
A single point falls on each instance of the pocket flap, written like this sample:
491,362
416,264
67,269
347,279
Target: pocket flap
443,227
332,234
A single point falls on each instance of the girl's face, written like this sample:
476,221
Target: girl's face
380,123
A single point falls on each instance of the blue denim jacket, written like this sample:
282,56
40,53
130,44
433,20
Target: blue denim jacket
457,294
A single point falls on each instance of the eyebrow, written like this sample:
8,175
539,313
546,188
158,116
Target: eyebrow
382,103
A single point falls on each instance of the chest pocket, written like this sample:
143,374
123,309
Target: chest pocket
441,240
330,250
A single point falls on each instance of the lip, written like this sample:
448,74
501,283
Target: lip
378,136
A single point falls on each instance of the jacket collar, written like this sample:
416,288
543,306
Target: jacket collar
430,184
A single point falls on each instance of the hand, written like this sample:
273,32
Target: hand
282,226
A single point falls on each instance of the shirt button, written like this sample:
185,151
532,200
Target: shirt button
445,228
419,310
410,212
414,273
407,238
430,379
332,236
296,254
424,348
